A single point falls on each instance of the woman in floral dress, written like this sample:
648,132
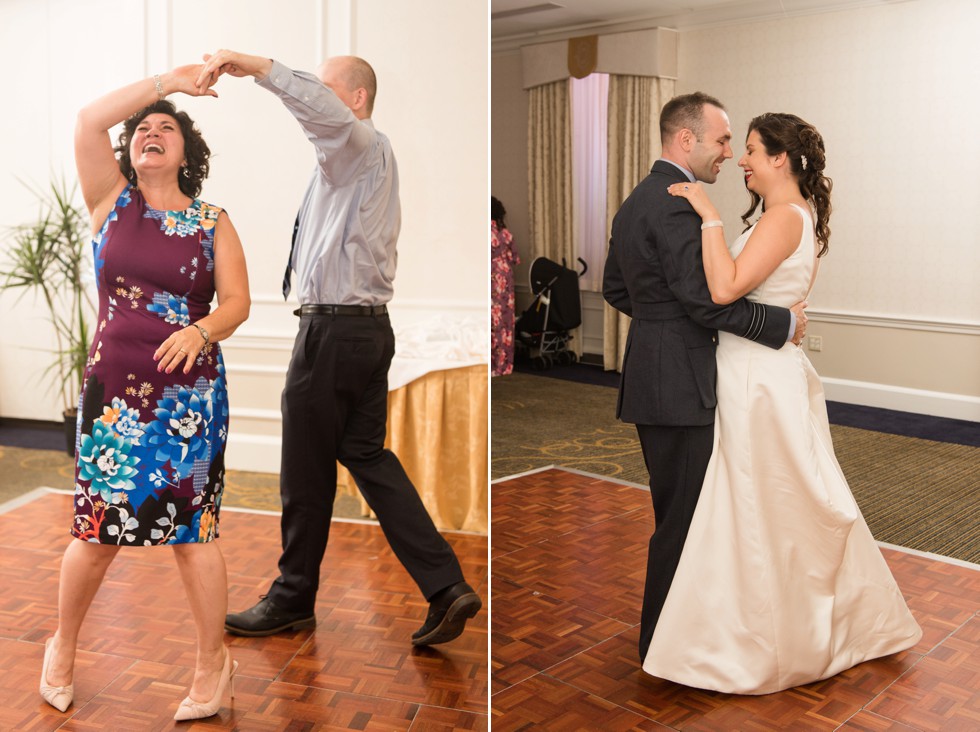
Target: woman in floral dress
153,414
503,260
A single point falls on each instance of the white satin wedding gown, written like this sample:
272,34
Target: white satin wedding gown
780,582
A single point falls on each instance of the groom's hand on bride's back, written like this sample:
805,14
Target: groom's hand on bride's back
799,310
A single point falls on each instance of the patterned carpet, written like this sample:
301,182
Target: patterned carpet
917,493
24,469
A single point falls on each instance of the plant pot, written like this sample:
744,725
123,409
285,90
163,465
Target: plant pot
71,420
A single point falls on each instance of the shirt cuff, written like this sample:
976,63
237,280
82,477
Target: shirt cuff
792,325
275,78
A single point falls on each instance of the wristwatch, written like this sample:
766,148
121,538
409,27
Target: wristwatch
207,338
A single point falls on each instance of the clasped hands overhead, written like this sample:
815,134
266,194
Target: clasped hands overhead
198,80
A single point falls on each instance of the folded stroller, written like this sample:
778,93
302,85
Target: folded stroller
543,329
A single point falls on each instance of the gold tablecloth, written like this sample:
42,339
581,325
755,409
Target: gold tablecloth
437,426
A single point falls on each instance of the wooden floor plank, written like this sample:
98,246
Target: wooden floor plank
356,670
567,595
543,702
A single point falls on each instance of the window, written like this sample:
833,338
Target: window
589,150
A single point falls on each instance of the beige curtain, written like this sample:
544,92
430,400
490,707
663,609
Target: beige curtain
634,144
437,426
549,133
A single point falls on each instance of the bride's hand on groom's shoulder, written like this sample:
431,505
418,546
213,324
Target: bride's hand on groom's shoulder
697,196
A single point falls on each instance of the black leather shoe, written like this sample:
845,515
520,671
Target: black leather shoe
449,610
267,618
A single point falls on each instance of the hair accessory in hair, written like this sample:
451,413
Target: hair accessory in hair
803,161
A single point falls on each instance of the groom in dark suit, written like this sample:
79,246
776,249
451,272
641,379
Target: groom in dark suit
654,274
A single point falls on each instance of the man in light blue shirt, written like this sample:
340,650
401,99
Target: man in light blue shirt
334,405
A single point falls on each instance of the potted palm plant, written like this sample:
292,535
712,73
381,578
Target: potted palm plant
47,257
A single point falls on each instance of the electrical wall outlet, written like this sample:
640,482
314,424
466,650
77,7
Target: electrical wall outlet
815,343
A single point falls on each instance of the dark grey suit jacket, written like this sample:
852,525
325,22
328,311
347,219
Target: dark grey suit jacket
654,274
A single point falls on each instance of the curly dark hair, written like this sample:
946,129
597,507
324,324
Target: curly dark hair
497,212
787,133
196,151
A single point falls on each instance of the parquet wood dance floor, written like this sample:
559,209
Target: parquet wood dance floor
356,670
568,556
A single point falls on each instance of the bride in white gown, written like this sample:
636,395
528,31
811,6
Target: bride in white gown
780,582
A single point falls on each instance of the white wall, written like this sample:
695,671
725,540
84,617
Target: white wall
509,150
893,90
431,60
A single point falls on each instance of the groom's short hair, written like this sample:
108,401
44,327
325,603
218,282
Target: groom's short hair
685,112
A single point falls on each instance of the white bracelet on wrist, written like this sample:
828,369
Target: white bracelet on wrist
159,86
710,224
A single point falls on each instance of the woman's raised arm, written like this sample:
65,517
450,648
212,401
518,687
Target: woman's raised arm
98,171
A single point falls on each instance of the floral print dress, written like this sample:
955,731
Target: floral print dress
149,466
503,260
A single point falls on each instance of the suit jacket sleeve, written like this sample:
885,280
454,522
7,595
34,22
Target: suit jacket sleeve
613,285
680,254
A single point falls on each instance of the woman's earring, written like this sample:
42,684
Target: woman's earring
185,171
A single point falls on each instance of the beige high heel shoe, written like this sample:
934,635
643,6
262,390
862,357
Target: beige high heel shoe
60,697
190,709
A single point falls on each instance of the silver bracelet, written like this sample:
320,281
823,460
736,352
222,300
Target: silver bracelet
159,86
710,224
207,336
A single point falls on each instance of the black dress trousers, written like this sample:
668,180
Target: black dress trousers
335,407
677,459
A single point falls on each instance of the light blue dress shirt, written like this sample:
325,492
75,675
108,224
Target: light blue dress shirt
350,215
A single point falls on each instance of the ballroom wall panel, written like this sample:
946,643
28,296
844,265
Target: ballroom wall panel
509,149
887,87
891,89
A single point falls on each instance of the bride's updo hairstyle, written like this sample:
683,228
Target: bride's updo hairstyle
803,145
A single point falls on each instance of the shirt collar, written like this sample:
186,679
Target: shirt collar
685,171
